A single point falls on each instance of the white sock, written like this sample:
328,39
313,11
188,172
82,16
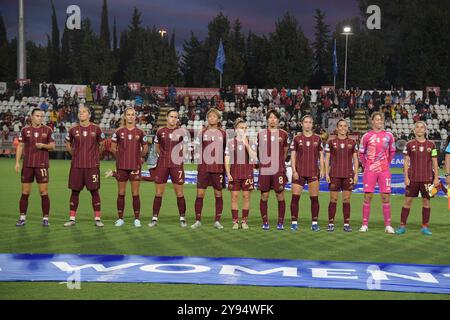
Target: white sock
23,217
294,222
314,223
45,218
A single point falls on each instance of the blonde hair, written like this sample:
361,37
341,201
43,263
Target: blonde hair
238,121
217,113
84,107
421,122
123,119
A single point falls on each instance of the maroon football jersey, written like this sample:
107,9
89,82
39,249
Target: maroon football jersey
130,143
307,151
341,157
272,140
213,142
170,147
85,142
32,156
420,164
241,166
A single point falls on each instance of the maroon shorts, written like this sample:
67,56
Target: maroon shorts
241,184
412,191
304,180
81,177
214,179
125,175
176,175
341,184
29,173
275,182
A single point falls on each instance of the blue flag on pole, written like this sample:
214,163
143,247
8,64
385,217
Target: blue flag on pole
335,63
220,59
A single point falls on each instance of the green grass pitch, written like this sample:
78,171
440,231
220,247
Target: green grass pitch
168,239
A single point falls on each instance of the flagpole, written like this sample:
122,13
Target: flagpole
334,62
220,80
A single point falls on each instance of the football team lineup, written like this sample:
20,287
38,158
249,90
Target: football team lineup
231,159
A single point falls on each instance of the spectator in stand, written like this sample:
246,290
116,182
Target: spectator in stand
172,92
389,100
274,93
402,95
110,90
376,98
366,98
382,98
283,94
52,92
403,113
388,122
395,96
98,93
371,107
307,96
412,97
434,114
255,94
266,97
230,94
433,96
44,90
221,105
276,99
89,92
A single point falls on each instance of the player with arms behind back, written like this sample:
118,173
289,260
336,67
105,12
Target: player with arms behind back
376,151
307,168
169,147
420,169
273,148
211,166
84,142
129,145
341,171
35,141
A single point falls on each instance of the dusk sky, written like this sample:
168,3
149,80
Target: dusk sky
181,16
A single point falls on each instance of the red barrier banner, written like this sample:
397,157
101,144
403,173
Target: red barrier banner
241,89
22,82
325,89
193,92
436,90
134,86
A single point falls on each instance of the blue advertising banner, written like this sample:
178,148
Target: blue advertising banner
398,161
76,269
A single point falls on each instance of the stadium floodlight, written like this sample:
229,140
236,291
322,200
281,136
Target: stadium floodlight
347,32
162,33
